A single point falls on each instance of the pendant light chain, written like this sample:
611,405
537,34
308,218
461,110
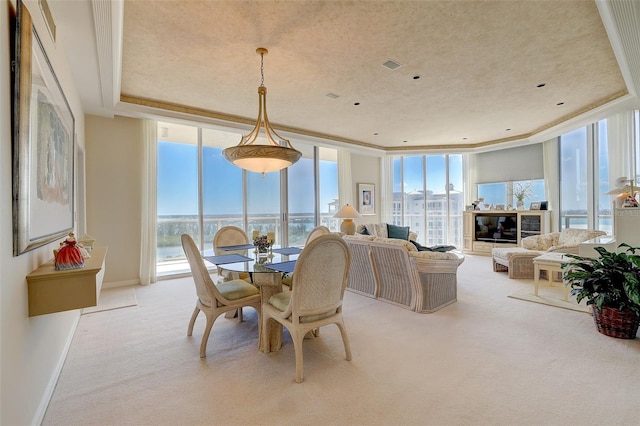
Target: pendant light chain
262,69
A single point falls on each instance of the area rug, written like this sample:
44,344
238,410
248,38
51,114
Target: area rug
113,298
551,296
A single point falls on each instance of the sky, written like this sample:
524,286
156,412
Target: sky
222,184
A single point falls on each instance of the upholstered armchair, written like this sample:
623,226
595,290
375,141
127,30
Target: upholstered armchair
566,241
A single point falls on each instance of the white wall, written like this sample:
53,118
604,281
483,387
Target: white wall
114,193
366,169
32,350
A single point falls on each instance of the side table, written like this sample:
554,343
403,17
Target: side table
550,262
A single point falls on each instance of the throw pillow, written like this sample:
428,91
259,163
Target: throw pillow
440,248
398,232
364,231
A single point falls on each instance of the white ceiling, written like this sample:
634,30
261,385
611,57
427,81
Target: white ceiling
479,65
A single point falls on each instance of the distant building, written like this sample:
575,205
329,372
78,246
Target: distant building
415,206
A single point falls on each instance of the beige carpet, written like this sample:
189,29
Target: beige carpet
486,360
551,296
113,298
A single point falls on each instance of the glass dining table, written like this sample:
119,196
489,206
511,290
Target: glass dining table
266,271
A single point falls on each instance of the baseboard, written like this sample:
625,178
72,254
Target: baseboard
120,283
48,393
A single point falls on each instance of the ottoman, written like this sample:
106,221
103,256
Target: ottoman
516,260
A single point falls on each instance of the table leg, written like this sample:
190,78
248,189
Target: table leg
536,277
269,285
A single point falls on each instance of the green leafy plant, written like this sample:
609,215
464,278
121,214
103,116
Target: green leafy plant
610,280
522,190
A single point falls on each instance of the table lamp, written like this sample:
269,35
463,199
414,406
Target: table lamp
347,213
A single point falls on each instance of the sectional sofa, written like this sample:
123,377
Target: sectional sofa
394,271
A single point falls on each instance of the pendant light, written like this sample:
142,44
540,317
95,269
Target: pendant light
254,155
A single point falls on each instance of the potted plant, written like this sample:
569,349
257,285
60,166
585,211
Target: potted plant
522,191
611,285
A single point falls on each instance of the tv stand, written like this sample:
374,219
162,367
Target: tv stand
528,222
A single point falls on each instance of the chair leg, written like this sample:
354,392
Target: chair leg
239,314
345,339
205,337
196,311
297,338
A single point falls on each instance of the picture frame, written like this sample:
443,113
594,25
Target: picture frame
535,205
367,199
500,207
43,145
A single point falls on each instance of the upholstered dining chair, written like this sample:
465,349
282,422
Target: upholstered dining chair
316,297
216,299
230,236
313,234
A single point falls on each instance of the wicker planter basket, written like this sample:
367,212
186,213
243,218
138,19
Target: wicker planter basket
614,323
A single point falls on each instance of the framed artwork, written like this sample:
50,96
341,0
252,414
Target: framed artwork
535,205
367,198
500,207
43,151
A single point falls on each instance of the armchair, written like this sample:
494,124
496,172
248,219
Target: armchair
230,236
213,299
316,297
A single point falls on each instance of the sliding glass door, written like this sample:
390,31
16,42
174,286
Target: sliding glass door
199,192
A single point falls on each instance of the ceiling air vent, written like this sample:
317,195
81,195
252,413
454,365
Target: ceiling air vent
332,96
391,64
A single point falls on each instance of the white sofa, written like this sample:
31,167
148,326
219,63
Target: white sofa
394,271
380,230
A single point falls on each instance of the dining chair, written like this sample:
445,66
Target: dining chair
216,299
230,236
313,234
316,297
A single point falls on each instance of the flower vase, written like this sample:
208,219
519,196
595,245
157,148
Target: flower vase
520,205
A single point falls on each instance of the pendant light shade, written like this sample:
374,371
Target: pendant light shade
269,153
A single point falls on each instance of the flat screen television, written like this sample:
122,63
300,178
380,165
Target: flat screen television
497,228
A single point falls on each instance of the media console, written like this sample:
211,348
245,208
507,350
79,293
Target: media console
486,229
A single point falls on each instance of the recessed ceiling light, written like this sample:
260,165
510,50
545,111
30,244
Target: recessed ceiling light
416,77
376,134
560,103
391,64
405,141
507,130
541,85
464,139
356,103
332,96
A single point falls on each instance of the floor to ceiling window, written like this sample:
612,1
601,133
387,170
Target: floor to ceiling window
199,192
428,197
584,179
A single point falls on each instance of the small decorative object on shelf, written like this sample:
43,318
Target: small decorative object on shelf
86,241
522,191
69,255
630,202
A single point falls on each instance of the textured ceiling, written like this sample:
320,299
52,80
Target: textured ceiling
479,64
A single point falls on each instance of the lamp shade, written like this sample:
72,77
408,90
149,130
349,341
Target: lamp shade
618,191
347,212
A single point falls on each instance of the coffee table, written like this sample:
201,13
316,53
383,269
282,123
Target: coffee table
550,262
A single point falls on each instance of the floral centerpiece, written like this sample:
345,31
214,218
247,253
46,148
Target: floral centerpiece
522,191
262,243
